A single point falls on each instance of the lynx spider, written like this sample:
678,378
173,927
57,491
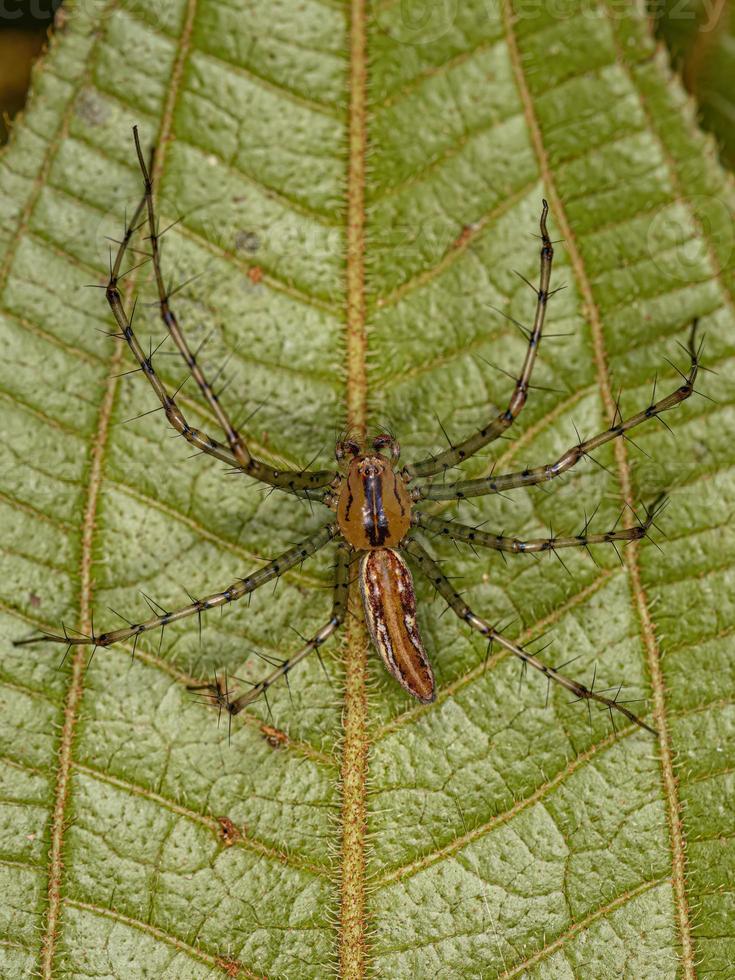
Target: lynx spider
375,505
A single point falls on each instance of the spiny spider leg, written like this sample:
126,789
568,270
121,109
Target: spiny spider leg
540,474
290,480
430,568
175,416
475,536
339,611
458,454
236,591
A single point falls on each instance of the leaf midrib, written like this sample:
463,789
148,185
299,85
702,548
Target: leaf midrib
353,771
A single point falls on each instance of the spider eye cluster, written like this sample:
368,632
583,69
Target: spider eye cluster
350,447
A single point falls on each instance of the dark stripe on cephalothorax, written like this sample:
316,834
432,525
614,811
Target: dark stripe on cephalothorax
350,501
375,520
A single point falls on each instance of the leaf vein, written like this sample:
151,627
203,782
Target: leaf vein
581,925
461,245
211,823
72,707
399,874
195,952
269,279
640,600
276,88
52,147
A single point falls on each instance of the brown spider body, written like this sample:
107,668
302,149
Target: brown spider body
377,517
374,516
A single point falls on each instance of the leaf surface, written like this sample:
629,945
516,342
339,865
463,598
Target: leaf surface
356,187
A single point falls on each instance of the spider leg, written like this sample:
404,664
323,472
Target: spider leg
458,454
430,568
200,440
540,474
339,611
475,536
238,454
236,591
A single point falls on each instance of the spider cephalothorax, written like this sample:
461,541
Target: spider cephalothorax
372,501
378,518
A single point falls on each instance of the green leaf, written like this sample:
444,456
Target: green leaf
701,38
356,186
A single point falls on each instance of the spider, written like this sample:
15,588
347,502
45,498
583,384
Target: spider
376,505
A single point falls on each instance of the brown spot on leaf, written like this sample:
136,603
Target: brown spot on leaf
463,237
255,274
231,967
230,834
273,736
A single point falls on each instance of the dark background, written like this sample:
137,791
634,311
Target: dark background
24,29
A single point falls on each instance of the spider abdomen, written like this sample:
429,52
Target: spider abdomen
390,612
